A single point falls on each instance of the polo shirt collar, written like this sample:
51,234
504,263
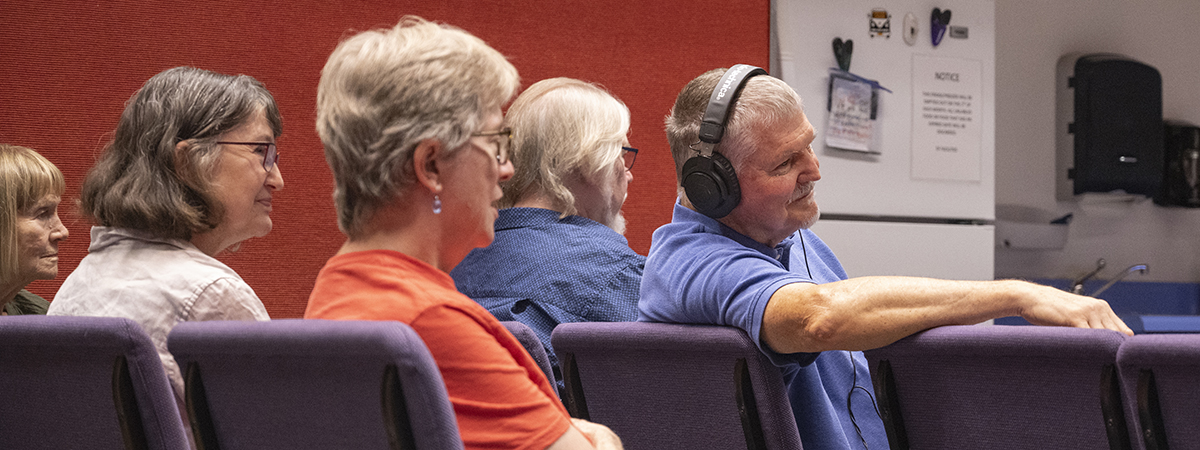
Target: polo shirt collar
779,252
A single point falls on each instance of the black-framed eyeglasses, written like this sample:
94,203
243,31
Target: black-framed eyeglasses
630,155
503,139
268,150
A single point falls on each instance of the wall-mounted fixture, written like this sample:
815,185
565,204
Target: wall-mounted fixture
1181,153
1109,126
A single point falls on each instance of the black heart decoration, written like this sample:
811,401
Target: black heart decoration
842,50
945,16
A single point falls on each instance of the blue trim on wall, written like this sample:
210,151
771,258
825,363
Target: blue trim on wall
1134,299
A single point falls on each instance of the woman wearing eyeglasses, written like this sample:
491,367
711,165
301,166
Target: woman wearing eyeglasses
190,173
559,255
413,133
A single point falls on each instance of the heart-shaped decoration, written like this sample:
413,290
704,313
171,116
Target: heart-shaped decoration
939,20
842,50
942,16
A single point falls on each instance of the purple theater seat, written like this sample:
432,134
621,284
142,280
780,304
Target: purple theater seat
1161,377
312,384
83,383
662,386
532,344
1001,387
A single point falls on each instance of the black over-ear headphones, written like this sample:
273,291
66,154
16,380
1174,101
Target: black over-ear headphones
708,178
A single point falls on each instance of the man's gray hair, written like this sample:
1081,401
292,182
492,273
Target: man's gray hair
562,128
764,103
384,91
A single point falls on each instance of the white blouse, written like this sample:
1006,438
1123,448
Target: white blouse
156,282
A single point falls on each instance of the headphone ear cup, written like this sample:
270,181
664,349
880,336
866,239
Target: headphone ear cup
711,185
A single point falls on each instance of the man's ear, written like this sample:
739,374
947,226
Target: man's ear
425,165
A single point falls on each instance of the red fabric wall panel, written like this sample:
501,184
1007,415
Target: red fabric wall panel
67,68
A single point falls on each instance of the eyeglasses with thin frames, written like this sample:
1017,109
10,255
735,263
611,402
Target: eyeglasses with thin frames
503,139
268,150
629,156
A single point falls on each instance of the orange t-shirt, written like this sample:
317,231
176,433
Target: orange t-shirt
500,396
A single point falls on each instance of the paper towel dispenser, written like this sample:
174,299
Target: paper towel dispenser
1181,155
1109,125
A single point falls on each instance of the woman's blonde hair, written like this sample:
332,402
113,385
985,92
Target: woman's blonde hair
384,91
25,177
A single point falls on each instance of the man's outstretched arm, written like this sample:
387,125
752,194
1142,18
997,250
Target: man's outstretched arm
871,312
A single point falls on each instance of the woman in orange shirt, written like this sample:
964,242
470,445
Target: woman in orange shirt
413,133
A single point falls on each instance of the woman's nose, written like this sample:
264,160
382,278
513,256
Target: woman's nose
60,232
275,178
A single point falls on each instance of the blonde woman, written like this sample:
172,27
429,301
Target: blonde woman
31,188
413,133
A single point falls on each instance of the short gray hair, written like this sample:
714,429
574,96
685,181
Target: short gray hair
562,128
141,183
764,103
384,91
25,177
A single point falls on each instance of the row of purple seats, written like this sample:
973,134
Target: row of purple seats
977,387
97,383
69,382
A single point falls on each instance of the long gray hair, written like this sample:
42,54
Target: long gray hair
562,129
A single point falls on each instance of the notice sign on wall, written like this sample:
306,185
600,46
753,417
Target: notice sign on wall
947,104
851,126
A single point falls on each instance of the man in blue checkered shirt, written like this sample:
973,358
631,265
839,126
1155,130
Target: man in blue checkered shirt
559,254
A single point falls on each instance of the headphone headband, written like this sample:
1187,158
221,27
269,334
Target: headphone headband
720,103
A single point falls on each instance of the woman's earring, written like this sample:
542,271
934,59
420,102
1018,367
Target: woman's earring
437,204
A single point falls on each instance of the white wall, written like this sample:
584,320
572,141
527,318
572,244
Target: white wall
1030,37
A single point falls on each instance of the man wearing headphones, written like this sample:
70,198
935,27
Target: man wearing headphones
738,253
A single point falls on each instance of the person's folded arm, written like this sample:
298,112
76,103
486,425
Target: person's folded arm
871,312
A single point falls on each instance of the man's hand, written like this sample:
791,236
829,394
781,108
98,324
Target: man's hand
1043,305
602,437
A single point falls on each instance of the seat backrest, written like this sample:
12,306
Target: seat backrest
532,344
662,385
1161,377
315,384
83,383
1001,387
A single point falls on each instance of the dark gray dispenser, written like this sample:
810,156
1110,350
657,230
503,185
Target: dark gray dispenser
1181,154
1110,120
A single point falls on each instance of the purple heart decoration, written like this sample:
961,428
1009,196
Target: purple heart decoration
939,20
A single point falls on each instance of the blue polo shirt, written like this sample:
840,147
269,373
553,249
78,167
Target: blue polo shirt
542,271
703,272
